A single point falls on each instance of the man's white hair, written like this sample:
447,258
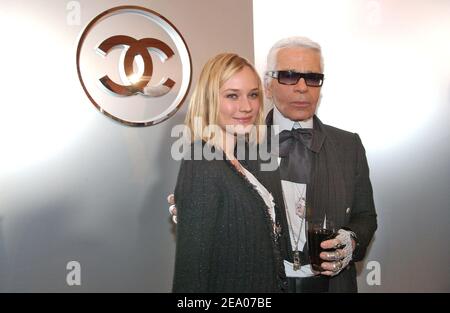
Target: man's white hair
290,42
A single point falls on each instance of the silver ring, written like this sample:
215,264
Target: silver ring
337,255
339,245
337,266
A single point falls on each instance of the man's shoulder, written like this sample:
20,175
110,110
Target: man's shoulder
338,132
343,138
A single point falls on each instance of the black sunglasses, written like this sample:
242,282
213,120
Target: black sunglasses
292,78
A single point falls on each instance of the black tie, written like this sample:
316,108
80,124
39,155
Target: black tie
296,156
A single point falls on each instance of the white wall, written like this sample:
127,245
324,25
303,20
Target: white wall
387,70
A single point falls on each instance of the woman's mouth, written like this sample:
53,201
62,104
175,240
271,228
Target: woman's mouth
243,120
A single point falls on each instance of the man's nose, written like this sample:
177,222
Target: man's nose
301,85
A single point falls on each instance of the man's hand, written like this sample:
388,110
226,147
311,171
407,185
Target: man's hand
172,207
344,245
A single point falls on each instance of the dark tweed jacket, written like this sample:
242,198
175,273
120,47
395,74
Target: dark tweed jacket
224,237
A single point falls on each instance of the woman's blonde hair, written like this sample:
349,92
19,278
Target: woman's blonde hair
204,104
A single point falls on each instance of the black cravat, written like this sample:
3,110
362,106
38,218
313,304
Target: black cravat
296,156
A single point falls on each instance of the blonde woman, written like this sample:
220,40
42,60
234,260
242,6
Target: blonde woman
226,231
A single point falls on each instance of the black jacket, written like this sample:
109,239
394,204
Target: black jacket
224,237
356,207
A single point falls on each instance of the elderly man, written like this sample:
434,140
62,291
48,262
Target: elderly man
322,175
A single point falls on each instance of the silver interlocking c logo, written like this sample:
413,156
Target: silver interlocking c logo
135,48
134,65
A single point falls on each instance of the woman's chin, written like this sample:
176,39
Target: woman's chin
242,129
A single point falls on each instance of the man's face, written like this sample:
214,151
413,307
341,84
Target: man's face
296,102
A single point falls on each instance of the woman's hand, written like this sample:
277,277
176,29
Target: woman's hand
172,207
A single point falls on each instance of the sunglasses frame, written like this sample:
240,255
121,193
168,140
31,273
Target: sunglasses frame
275,74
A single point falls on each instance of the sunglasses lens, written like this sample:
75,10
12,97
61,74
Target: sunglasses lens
292,78
288,77
313,79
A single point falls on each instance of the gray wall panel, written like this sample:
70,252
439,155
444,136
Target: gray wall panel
96,194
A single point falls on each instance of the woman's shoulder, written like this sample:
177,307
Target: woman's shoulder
202,158
199,175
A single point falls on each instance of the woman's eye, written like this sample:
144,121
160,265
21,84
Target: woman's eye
254,95
232,96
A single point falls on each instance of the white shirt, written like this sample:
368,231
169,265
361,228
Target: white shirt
292,193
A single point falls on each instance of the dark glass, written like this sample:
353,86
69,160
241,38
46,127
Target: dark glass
315,237
292,78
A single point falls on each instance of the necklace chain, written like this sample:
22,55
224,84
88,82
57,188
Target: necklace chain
299,206
302,217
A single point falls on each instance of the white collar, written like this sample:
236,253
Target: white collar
287,124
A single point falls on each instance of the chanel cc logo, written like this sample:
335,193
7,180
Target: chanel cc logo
143,73
135,48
